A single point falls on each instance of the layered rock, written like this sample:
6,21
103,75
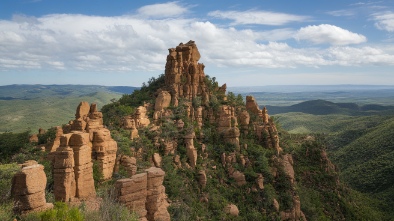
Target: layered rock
227,125
132,193
128,163
145,194
104,151
28,188
265,128
184,76
63,172
83,166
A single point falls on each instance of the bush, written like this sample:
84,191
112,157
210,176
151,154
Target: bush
7,171
61,212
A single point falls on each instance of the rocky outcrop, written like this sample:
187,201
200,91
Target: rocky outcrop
51,146
287,164
83,166
239,178
232,210
227,125
145,194
128,163
202,178
73,168
295,213
28,188
63,172
184,76
191,151
104,151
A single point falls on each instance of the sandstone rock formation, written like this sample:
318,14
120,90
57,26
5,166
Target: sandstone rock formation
28,188
73,168
232,210
104,151
128,163
227,125
239,178
202,178
287,163
184,76
191,151
145,194
51,146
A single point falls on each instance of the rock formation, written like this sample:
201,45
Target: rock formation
232,210
227,125
63,172
184,76
145,194
191,151
104,151
73,168
128,163
28,188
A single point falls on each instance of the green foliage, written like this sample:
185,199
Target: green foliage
62,212
97,174
48,136
7,171
12,143
109,209
113,114
39,106
145,94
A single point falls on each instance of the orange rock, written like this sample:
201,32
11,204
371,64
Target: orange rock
28,188
232,210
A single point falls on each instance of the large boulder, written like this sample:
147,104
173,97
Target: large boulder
28,188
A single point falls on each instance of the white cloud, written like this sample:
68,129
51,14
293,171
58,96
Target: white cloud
257,17
134,44
331,34
169,9
340,13
384,21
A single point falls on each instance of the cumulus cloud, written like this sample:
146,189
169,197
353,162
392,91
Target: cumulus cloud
384,21
169,9
331,34
132,43
257,17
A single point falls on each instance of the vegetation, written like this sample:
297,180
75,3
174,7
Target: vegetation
358,137
44,106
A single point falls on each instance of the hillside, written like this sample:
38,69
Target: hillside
179,148
31,107
365,157
323,107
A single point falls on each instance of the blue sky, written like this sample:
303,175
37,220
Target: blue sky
242,43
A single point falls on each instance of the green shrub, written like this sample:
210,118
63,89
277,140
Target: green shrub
7,171
62,212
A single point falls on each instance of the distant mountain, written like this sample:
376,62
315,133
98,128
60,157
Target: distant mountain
323,107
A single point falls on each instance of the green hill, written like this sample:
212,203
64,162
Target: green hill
323,107
25,107
366,161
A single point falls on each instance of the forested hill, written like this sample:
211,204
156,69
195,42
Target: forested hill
323,107
24,107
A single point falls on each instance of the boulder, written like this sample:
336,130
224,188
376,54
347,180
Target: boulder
28,188
232,210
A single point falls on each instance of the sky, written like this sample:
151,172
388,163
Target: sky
242,43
